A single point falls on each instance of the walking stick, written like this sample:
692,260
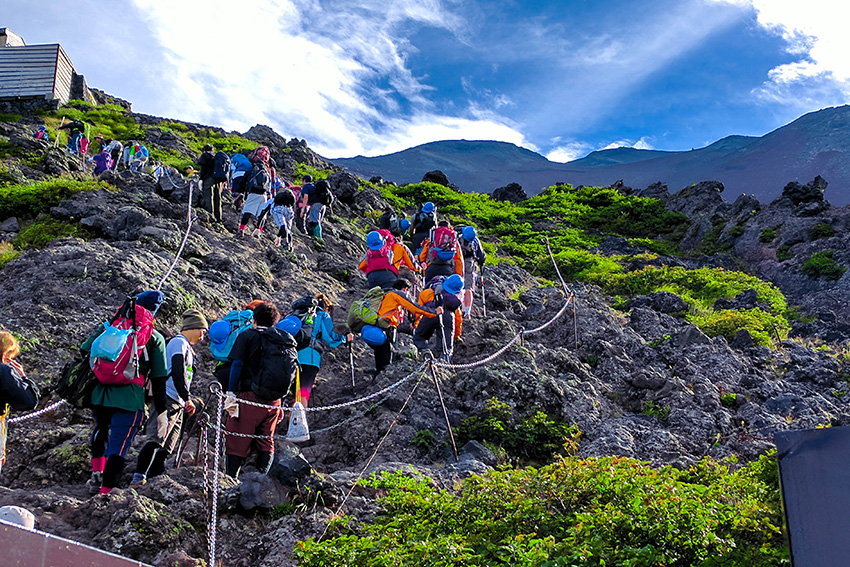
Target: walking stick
443,404
483,299
351,362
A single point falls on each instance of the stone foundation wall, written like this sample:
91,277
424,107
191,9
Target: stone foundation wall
27,105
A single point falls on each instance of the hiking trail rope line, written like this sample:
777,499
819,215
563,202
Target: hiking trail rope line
190,218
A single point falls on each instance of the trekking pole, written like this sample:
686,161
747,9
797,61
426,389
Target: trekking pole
56,141
443,404
351,362
483,298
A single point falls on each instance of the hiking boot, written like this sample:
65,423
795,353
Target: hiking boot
95,482
139,480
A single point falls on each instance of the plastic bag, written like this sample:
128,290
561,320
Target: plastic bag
109,344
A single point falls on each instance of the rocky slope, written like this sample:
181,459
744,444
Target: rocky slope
643,382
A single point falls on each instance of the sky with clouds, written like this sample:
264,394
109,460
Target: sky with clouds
370,77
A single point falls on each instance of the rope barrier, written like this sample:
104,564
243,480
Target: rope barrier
38,413
190,218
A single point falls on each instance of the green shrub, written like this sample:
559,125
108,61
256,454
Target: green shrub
535,437
763,327
7,253
822,230
43,231
768,235
652,409
783,253
821,264
598,511
28,200
9,117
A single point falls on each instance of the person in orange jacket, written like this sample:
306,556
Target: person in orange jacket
445,292
437,266
392,309
383,259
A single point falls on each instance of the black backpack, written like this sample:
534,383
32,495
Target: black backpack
323,193
221,167
77,382
257,180
448,301
423,222
390,221
279,362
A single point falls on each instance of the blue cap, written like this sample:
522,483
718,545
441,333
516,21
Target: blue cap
219,331
469,233
428,207
150,300
373,336
374,240
405,224
289,324
453,284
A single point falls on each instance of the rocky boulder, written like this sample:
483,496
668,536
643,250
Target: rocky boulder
512,192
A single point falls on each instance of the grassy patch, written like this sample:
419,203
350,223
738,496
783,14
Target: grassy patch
44,230
598,511
768,235
9,117
821,265
822,230
7,253
532,438
29,200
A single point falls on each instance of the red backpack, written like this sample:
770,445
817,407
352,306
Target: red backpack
125,368
382,259
443,244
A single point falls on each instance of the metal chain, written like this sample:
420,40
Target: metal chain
38,413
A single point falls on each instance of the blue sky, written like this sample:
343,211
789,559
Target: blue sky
371,77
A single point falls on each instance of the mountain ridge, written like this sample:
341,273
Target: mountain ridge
814,144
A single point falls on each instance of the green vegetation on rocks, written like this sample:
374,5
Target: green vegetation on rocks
821,265
598,511
31,199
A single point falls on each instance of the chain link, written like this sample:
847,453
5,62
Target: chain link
38,413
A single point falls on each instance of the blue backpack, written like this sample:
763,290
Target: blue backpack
223,332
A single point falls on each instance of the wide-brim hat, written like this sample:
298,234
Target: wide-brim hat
453,284
374,240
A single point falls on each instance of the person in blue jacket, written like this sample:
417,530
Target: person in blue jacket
310,358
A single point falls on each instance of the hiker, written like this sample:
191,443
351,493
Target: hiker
210,190
240,166
102,162
307,189
101,145
264,366
138,157
319,200
16,390
223,335
313,326
389,313
41,133
440,253
115,149
283,214
473,261
390,221
119,408
75,130
423,221
220,176
383,259
445,292
257,186
180,363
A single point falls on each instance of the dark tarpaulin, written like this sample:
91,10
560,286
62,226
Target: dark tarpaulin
814,470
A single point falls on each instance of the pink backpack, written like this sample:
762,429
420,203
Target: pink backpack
125,368
443,244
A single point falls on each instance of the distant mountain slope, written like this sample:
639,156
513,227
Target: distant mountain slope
817,143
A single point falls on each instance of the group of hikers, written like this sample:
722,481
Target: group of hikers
251,180
107,154
261,356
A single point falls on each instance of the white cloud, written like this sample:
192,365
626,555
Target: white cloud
642,144
816,33
334,73
569,151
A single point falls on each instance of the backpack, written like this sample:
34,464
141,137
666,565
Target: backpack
40,135
449,301
76,382
223,332
136,322
424,222
278,365
305,310
322,193
390,221
442,244
257,180
365,311
221,167
382,259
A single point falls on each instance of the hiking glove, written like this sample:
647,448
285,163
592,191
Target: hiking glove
231,405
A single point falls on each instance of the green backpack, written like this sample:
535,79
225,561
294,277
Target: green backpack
365,311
